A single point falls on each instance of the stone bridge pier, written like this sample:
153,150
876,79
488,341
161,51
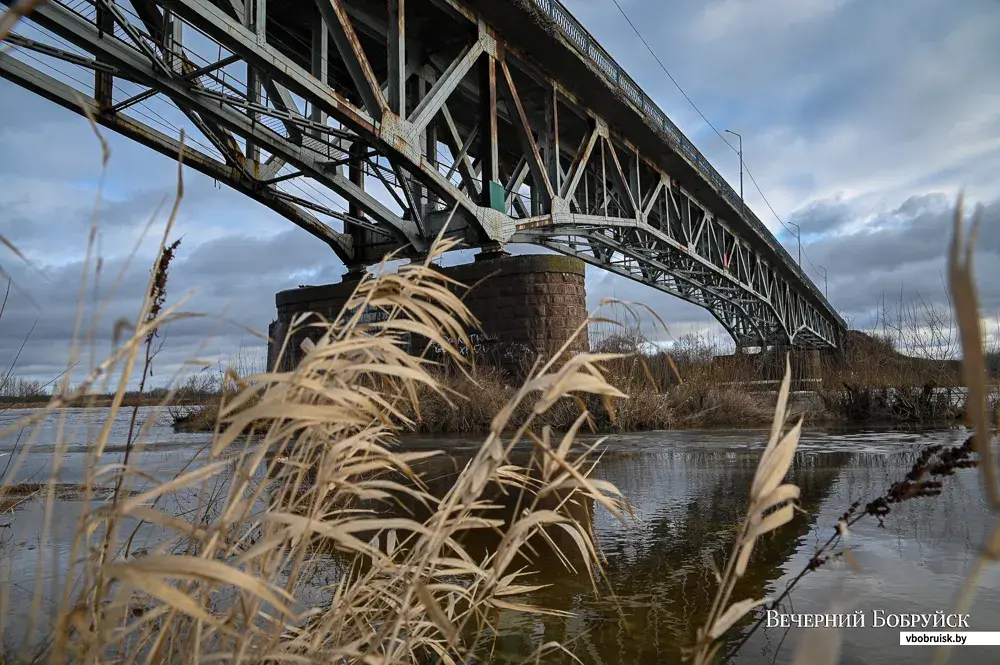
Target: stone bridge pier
525,305
769,366
806,366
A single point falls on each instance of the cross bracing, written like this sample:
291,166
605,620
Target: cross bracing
373,123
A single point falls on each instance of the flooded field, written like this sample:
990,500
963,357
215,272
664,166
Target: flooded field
689,489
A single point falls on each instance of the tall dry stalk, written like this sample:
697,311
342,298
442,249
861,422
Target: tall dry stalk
225,584
772,504
934,464
966,303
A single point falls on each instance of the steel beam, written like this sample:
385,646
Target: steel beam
430,105
78,31
539,175
593,192
396,56
65,96
340,26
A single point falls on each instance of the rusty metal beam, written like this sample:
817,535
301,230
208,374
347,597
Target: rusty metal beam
396,51
431,104
634,179
406,184
553,157
150,16
620,183
460,152
488,153
104,82
318,50
539,175
579,164
520,173
236,8
346,40
654,193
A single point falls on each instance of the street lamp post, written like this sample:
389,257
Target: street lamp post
743,207
798,237
826,288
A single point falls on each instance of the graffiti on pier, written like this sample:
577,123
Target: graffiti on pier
370,315
480,344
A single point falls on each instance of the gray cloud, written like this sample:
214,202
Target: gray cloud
822,216
901,253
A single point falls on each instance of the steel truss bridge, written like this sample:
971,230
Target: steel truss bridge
390,119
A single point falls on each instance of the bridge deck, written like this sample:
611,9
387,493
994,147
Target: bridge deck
503,120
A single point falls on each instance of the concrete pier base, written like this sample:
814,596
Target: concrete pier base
526,305
804,363
767,368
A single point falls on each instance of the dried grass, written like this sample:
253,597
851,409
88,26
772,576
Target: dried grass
772,504
226,584
966,304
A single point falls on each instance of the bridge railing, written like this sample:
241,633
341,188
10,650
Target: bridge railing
576,33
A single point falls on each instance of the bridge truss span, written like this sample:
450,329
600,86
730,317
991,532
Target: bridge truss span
372,124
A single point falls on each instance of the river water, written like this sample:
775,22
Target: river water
690,490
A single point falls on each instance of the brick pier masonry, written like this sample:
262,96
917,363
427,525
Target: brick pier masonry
526,305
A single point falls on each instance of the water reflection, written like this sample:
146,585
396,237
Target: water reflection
690,491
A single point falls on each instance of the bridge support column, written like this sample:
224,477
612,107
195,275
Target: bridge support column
805,364
526,305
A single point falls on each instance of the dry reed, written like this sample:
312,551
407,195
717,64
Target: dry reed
925,479
225,585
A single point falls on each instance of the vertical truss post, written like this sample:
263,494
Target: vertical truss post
173,41
430,151
396,45
354,59
604,181
103,81
356,174
552,144
253,17
319,50
492,193
633,180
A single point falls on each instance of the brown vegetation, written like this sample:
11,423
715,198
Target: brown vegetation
772,501
694,385
469,401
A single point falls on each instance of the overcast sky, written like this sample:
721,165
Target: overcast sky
861,121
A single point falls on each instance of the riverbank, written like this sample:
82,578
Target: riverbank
468,406
104,402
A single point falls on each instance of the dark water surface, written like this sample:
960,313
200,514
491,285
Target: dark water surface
690,491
